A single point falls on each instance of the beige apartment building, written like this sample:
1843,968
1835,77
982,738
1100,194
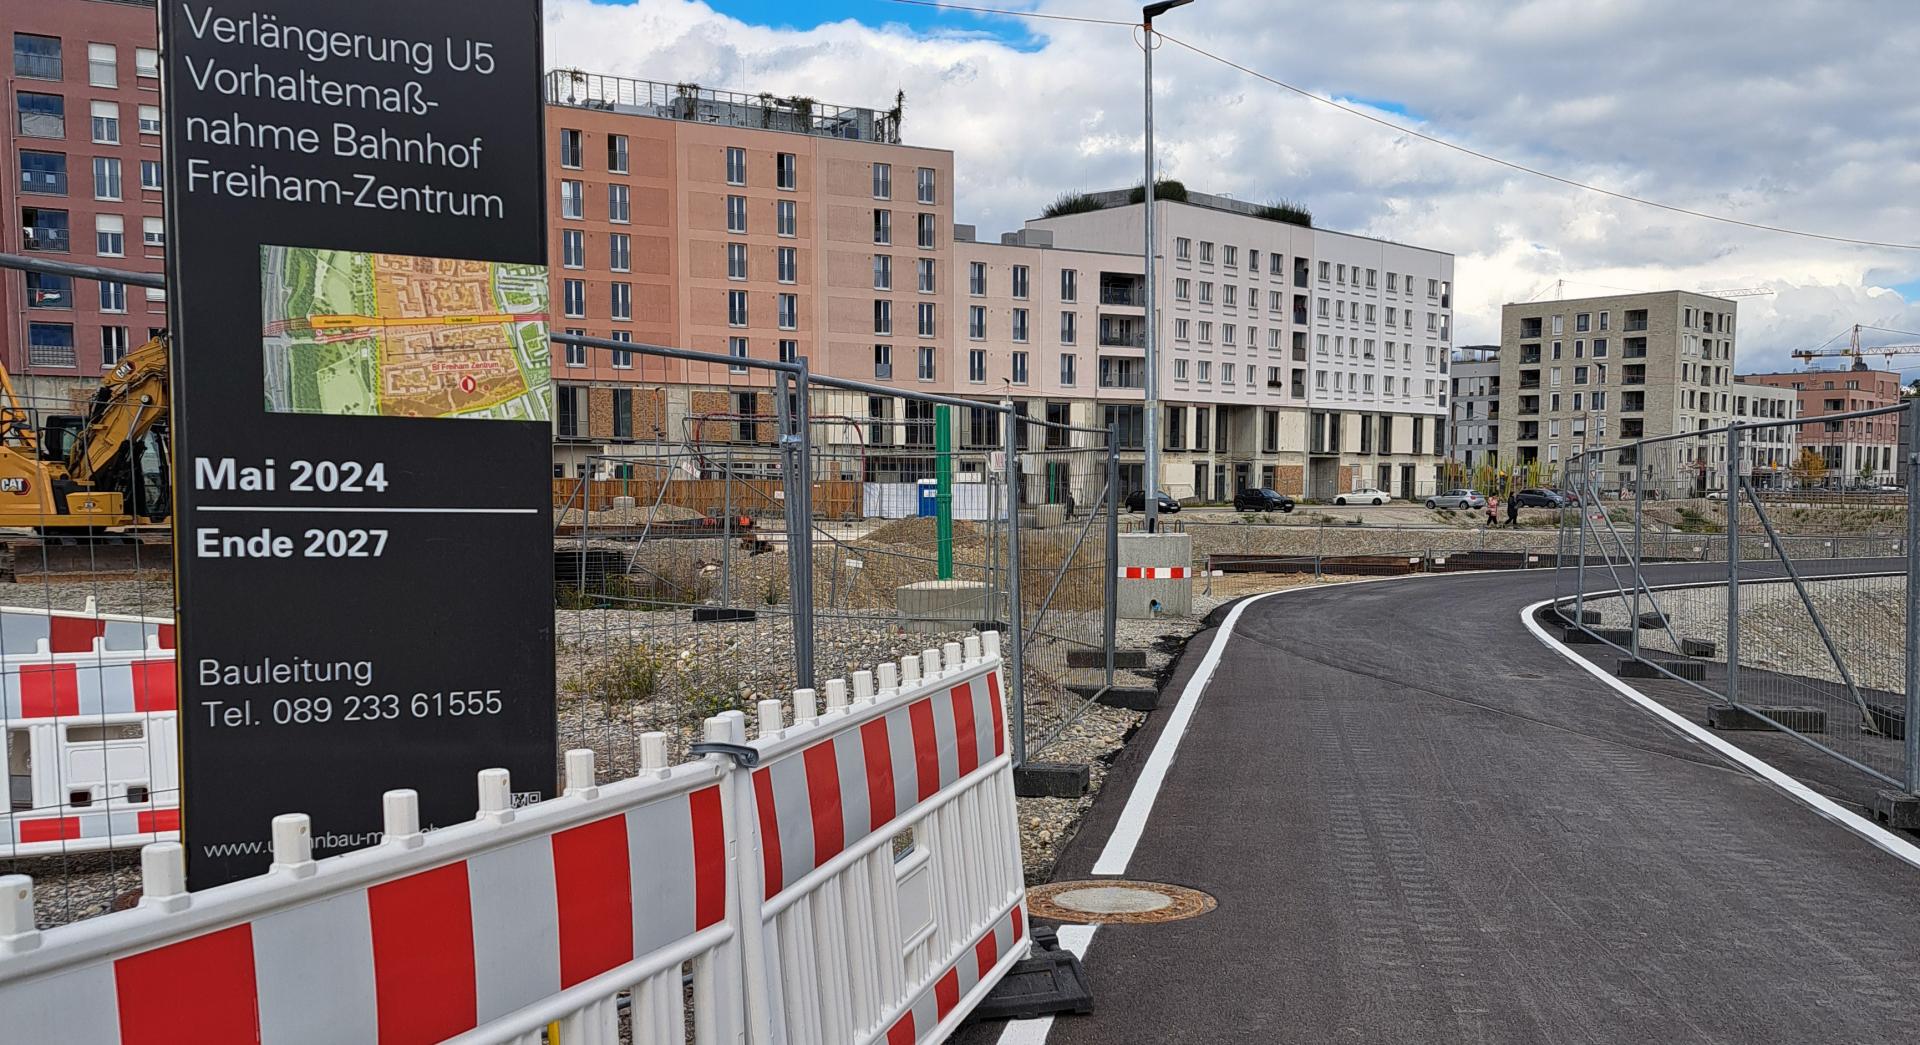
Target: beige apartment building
1767,451
1588,372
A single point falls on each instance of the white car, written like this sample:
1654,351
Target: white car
1364,495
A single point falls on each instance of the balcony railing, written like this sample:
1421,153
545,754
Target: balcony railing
1300,316
1526,383
1631,380
697,104
1122,296
1530,359
1123,339
1634,325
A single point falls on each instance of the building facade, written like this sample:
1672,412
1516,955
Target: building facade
1854,451
83,139
1303,359
1768,451
1588,372
1473,410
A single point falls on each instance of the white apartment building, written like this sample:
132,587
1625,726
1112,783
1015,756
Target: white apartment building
1766,453
1303,359
1473,410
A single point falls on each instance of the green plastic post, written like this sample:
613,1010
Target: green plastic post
943,489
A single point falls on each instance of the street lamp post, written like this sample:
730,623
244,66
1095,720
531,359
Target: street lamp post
1151,407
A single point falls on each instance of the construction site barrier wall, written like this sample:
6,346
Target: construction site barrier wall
765,892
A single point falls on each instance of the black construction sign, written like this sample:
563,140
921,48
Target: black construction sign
362,389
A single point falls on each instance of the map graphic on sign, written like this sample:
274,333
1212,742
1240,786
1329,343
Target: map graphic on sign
390,335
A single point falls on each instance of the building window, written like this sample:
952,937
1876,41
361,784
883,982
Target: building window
1020,281
977,365
106,122
617,153
737,348
43,173
1182,290
617,204
977,322
882,181
736,261
572,200
45,229
883,317
784,223
787,265
1067,331
113,346
103,65
1020,324
784,175
883,361
1183,248
570,148
925,178
41,115
50,344
1068,363
736,166
736,214
574,297
882,226
45,290
153,234
883,272
620,252
1019,368
623,413
789,351
736,308
36,57
620,302
622,357
573,249
927,324
1206,252
576,354
146,62
1180,328
110,235
149,119
113,296
789,311
926,363
925,266
977,279
926,232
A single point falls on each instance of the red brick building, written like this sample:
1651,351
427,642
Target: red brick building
1854,450
83,142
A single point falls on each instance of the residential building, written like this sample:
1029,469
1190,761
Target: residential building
1473,409
1767,450
83,139
1303,359
1854,450
1587,372
740,225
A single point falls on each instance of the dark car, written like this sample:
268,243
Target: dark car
1535,498
1262,500
1137,502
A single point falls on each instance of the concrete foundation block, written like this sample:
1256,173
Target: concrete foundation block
1767,718
929,607
1652,619
721,614
1145,599
1096,658
1629,668
1051,780
1699,647
1567,615
1043,516
1888,721
1898,810
1130,698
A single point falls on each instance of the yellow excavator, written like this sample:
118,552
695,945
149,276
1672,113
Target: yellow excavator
81,474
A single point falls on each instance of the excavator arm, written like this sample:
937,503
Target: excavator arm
130,400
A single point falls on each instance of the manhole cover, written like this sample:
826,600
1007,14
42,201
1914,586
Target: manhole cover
1107,900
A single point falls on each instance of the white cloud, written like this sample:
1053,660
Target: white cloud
1793,117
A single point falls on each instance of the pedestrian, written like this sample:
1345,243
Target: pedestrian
1493,504
1513,511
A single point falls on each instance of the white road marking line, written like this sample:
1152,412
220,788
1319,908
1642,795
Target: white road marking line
1880,837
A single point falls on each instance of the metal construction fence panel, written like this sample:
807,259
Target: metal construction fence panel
852,877
1810,627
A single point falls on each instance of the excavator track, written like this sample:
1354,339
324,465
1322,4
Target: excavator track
29,560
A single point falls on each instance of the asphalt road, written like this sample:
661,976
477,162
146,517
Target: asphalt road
1422,825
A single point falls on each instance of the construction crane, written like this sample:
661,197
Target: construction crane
1853,349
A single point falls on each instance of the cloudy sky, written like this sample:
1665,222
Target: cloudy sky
1794,113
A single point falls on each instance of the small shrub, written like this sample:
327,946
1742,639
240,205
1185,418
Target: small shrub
632,675
1163,189
1288,211
1072,203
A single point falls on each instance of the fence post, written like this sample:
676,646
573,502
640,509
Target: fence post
1580,565
1016,655
1733,566
1912,449
726,547
1110,597
797,480
1639,532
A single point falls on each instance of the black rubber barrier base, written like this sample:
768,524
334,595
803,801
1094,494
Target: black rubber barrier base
720,614
1097,658
1640,669
1798,719
1897,810
1047,983
1051,780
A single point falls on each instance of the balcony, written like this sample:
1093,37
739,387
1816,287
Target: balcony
1634,320
1299,353
1300,317
1530,431
1634,348
1122,290
1633,402
1529,382
1632,428
1529,329
1530,358
1118,335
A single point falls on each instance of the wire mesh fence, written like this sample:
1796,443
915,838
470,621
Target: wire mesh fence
1809,628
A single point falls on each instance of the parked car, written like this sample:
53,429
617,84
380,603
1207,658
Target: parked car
1457,499
1137,502
1537,498
1262,500
1364,495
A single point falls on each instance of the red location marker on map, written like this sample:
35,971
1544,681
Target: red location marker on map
467,383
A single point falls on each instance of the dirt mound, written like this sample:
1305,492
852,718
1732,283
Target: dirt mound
922,533
639,515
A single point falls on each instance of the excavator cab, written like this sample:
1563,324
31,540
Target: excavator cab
58,434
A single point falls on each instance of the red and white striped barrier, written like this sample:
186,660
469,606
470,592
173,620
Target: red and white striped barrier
778,882
1154,573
